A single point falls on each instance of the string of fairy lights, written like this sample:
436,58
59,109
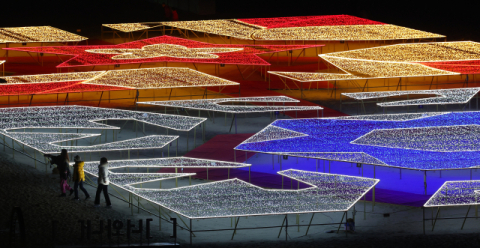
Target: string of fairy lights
37,34
445,96
214,104
412,141
456,193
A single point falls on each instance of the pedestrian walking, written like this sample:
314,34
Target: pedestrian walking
62,161
103,182
79,177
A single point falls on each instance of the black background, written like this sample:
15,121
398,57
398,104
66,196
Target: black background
457,19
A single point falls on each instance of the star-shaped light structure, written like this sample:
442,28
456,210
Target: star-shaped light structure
214,104
396,61
433,141
163,49
233,198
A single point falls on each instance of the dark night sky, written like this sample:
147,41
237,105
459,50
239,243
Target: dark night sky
456,19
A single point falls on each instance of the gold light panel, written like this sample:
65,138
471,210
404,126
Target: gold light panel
424,52
50,78
158,78
375,69
37,34
312,76
230,28
128,27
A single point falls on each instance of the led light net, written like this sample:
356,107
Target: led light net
83,117
434,141
447,96
175,162
214,104
456,193
229,198
37,34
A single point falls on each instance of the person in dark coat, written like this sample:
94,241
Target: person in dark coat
62,161
102,183
168,12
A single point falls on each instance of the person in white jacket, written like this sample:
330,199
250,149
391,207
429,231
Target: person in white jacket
103,183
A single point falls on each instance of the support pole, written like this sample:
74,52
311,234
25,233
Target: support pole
191,232
308,228
343,216
466,217
235,230
436,216
425,181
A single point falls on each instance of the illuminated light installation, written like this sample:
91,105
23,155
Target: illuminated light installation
80,117
83,117
446,96
344,33
321,28
130,27
213,104
51,78
234,197
401,60
456,193
273,133
151,78
433,141
37,34
219,54
165,50
176,162
44,142
155,78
